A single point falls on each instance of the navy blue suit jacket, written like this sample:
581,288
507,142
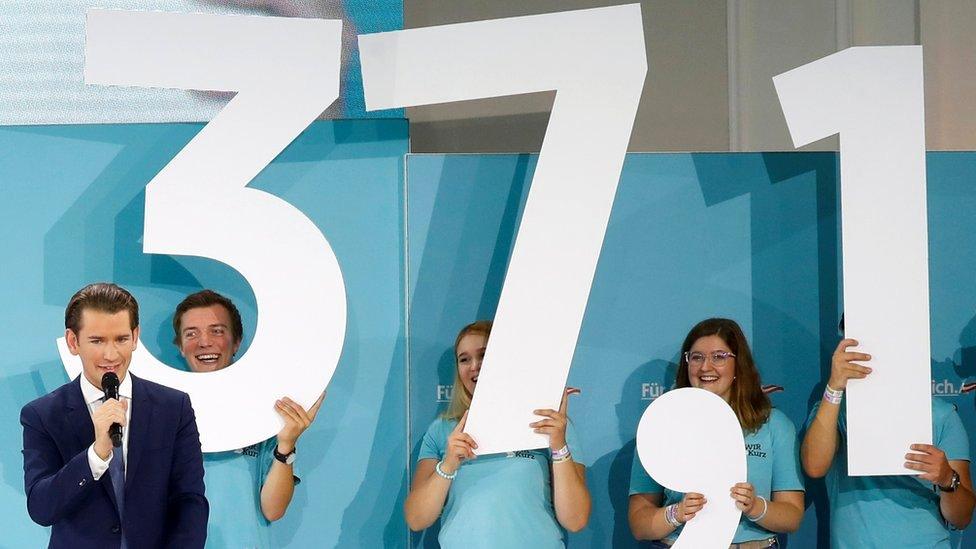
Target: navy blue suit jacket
165,504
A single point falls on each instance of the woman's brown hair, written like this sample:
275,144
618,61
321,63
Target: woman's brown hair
460,397
747,399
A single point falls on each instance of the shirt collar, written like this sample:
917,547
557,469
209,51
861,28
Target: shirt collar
93,394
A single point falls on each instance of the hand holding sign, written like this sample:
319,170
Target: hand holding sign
874,98
460,447
843,367
555,425
706,458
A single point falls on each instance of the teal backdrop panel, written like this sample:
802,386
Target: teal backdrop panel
754,237
73,200
750,236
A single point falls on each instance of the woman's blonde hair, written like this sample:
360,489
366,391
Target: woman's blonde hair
460,397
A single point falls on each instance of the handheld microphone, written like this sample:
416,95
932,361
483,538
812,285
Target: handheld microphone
110,384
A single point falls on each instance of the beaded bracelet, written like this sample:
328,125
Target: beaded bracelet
833,396
442,474
761,515
671,515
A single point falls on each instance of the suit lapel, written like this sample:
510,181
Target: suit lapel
139,424
80,421
79,418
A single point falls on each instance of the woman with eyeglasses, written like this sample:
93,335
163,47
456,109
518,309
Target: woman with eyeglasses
715,356
516,499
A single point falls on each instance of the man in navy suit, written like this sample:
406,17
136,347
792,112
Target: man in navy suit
148,492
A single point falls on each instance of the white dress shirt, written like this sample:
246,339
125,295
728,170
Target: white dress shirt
93,397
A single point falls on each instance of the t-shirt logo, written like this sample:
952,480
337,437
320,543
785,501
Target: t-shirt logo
755,450
250,451
521,454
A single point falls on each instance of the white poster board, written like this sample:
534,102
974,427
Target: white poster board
596,62
286,72
689,440
874,98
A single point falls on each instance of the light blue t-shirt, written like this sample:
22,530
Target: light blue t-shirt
772,462
891,511
233,480
498,500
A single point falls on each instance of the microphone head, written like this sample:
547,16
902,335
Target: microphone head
110,384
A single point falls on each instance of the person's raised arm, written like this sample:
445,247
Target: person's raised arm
571,498
428,493
279,485
822,437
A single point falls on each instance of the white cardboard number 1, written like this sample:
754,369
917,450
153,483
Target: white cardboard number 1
598,77
874,97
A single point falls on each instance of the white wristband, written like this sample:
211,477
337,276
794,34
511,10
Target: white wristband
761,515
833,396
440,472
671,516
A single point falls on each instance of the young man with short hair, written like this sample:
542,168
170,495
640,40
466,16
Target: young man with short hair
253,486
143,489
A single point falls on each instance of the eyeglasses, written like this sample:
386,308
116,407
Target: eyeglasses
718,358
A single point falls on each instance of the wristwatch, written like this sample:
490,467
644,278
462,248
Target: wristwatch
289,458
953,484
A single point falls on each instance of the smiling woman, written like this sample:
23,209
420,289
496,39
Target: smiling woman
519,499
469,352
716,357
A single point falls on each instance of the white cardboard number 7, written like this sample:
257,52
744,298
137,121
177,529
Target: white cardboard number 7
598,76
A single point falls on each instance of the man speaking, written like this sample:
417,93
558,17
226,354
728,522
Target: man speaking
142,489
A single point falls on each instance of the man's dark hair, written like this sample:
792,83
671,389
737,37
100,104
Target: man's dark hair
104,297
206,298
